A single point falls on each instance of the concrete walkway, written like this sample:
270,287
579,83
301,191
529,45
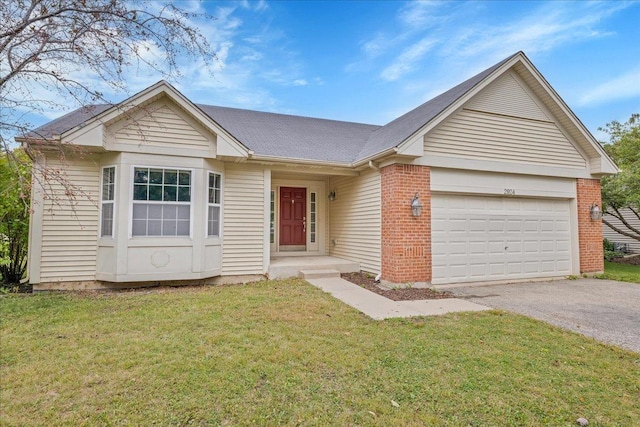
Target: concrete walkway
378,307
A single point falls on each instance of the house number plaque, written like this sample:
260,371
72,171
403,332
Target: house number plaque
510,191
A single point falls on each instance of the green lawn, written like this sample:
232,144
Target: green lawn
284,353
622,272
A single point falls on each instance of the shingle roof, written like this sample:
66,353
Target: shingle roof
294,137
67,122
304,138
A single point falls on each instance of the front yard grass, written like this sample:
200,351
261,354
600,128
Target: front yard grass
621,272
284,353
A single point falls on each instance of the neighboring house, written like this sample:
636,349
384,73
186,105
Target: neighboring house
505,173
621,241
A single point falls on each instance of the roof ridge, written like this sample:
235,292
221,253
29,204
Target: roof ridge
287,115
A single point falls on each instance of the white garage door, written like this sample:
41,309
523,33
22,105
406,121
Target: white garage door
477,238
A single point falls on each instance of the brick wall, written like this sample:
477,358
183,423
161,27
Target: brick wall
589,231
406,240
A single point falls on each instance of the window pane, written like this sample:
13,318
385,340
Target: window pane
216,196
139,227
154,227
185,178
155,211
155,176
183,212
169,227
171,177
108,180
139,211
140,192
169,212
183,228
214,221
107,219
140,175
170,194
217,180
184,194
155,192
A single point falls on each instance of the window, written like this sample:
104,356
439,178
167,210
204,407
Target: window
161,202
107,201
272,217
213,221
312,222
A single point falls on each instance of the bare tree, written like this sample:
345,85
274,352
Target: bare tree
49,52
53,45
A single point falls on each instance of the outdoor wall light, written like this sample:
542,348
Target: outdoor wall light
596,212
416,206
332,195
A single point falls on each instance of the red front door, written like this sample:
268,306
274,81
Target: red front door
293,216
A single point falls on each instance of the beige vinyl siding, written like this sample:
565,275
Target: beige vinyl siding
484,136
608,233
243,215
355,220
162,126
70,227
507,96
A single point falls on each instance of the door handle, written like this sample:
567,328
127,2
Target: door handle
304,224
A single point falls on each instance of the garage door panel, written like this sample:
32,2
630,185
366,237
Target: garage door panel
496,247
515,267
477,248
479,238
531,267
531,246
514,246
458,248
531,226
478,270
477,225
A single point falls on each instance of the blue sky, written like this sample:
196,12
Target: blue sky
373,61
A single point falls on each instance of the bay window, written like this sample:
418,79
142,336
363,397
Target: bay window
213,205
161,202
107,201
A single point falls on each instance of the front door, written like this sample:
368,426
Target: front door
293,217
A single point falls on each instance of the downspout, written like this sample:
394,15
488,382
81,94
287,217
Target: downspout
373,166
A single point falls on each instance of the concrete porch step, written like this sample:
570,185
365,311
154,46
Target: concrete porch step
319,274
284,267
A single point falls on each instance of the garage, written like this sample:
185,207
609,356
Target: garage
485,238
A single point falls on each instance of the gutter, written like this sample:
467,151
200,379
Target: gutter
369,160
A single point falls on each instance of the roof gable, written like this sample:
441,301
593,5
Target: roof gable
506,96
404,127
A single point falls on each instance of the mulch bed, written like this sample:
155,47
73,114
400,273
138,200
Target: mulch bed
633,260
368,282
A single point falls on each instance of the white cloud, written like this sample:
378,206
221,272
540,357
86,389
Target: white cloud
300,82
406,62
621,87
420,14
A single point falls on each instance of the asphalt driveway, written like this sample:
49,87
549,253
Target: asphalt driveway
606,310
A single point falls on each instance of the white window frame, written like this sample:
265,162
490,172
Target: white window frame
209,204
132,201
110,201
